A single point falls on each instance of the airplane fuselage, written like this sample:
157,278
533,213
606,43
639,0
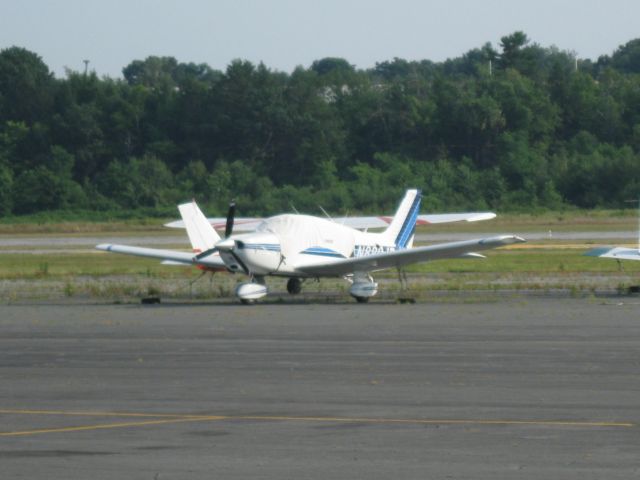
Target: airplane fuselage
283,244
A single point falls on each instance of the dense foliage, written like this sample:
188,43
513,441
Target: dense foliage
516,128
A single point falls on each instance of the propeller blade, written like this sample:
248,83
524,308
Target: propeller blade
228,229
206,253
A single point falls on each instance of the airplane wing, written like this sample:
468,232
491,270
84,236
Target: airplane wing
219,223
454,217
400,258
619,253
170,257
360,223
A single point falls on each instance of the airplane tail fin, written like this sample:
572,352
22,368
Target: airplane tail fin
402,228
201,234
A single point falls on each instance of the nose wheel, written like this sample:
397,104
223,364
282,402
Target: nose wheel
294,286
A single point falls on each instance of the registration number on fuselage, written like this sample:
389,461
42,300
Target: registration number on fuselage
366,250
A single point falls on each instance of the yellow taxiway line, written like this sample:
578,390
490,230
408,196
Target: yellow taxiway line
434,421
105,426
166,418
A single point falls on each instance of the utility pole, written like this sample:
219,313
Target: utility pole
86,66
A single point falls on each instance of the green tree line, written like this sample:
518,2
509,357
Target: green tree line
519,126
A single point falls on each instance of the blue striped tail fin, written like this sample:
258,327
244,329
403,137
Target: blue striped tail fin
400,231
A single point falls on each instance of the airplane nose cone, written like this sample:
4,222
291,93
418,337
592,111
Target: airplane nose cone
226,245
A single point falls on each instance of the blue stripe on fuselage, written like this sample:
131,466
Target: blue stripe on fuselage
321,251
274,247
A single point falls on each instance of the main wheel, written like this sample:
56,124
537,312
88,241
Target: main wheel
294,286
362,299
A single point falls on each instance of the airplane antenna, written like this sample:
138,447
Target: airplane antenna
294,208
325,212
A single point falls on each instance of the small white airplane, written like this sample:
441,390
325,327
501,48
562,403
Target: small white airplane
302,246
618,253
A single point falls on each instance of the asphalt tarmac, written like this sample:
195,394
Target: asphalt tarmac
529,388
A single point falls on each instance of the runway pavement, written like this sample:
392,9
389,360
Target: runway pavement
528,388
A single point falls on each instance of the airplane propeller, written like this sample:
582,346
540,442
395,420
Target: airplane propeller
231,213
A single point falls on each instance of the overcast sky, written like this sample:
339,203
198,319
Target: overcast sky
287,33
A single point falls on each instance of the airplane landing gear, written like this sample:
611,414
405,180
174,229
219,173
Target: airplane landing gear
294,286
249,292
404,290
363,287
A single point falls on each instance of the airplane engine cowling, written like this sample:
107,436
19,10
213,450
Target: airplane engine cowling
363,289
250,291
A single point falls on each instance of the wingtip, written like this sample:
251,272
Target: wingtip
479,217
598,252
508,239
175,223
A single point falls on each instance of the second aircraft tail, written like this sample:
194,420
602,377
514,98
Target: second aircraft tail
201,234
